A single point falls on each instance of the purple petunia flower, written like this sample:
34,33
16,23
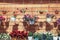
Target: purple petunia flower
58,21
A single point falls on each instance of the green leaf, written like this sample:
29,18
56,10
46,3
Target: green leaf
30,34
4,36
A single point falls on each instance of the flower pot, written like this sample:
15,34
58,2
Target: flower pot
29,37
36,39
59,37
55,38
48,20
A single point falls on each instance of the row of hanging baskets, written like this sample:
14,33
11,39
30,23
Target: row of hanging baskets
31,18
23,10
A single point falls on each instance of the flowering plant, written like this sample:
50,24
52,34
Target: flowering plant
26,17
35,35
4,36
19,34
2,18
30,19
58,21
43,36
49,15
30,34
23,11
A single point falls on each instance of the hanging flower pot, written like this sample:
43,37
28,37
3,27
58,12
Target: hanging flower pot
35,36
2,18
13,18
26,17
31,21
55,37
30,36
14,14
56,12
23,11
49,17
41,12
4,12
48,20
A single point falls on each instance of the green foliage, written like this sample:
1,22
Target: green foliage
43,36
30,34
40,36
49,37
4,36
35,35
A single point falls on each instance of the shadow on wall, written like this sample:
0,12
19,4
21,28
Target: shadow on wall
49,27
31,28
4,26
41,24
15,27
55,24
58,27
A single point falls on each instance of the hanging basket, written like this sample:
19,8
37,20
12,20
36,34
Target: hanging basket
41,12
56,12
23,11
13,18
4,12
